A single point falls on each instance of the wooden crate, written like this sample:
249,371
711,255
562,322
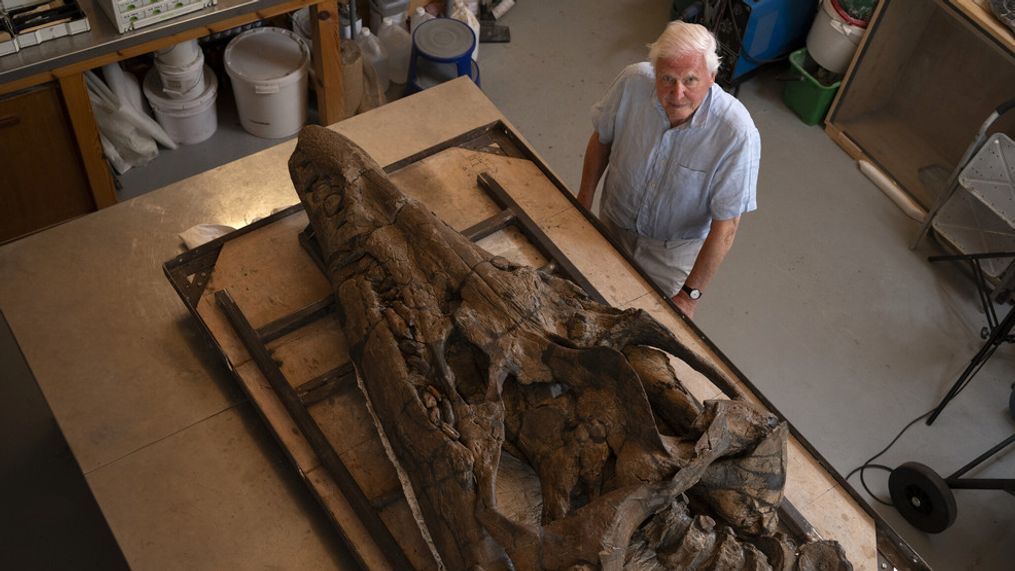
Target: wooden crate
924,79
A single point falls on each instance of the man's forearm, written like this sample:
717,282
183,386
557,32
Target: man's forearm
597,157
713,252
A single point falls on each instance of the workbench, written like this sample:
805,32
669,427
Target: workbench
178,460
62,63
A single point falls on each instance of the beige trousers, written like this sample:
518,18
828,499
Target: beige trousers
666,262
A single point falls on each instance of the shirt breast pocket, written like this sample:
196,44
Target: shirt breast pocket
682,212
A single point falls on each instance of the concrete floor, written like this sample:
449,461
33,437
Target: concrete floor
820,303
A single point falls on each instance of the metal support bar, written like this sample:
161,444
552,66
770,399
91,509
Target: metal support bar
491,225
1005,484
289,323
324,386
534,233
997,332
325,452
997,336
979,459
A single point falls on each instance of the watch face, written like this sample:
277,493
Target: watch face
694,293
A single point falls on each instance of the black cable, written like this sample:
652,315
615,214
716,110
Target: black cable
869,463
862,468
864,482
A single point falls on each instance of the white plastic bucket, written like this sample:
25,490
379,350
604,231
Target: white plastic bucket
180,54
182,81
832,41
186,121
268,70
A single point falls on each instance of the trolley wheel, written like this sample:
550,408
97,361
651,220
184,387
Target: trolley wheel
922,497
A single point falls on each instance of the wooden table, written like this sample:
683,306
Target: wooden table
176,456
65,60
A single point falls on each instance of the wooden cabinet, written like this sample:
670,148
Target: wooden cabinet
926,77
44,182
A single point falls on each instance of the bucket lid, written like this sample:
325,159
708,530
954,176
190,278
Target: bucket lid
166,102
272,55
444,38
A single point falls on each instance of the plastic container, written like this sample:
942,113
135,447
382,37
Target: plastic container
418,17
398,44
375,56
301,24
187,121
832,41
472,5
180,54
460,11
182,81
268,71
397,10
805,95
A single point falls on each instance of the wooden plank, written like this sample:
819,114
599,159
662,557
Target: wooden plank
327,62
844,142
86,132
979,12
26,82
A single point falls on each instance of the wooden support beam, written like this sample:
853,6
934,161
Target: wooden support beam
327,61
79,110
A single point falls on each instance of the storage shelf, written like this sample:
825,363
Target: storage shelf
230,142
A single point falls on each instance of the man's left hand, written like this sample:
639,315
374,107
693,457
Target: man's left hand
685,304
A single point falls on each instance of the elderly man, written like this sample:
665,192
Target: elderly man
683,157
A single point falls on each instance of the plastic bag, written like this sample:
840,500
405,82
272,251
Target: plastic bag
127,135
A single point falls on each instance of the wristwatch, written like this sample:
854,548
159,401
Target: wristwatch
691,292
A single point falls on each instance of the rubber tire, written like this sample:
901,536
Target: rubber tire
922,497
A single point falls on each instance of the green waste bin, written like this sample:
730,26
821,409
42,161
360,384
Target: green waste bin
805,95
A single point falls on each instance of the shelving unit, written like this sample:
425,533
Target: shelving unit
62,63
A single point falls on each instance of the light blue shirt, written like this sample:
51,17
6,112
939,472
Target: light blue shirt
669,183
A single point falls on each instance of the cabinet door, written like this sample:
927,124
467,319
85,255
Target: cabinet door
43,180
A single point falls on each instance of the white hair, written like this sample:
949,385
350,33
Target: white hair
679,39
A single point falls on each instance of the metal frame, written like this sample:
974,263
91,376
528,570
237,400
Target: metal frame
995,333
189,273
296,406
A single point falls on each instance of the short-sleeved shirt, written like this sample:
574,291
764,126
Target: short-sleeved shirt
669,183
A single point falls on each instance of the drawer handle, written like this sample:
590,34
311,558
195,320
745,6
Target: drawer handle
9,121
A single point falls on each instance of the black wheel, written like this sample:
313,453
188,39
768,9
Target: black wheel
922,497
